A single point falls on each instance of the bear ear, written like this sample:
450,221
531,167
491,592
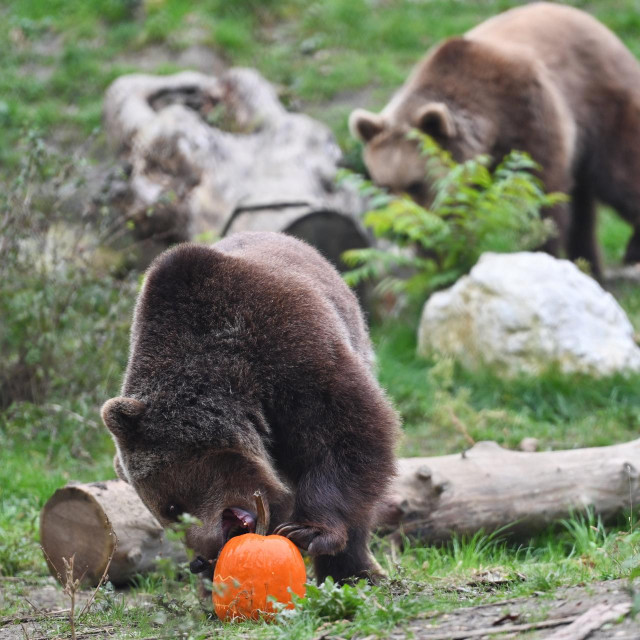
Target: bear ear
122,416
365,125
436,120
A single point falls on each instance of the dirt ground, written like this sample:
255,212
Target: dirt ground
516,618
532,618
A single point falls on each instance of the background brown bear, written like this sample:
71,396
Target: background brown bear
250,368
544,78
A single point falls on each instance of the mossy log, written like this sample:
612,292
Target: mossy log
484,488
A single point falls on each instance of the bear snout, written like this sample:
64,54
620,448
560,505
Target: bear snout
200,565
236,521
208,540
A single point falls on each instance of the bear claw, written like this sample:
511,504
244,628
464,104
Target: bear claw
315,539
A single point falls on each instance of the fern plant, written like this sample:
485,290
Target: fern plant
474,209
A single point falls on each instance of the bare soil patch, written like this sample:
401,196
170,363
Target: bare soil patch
519,617
535,618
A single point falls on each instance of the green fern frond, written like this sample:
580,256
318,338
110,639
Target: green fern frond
473,209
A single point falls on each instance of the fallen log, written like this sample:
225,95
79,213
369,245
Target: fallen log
485,488
106,527
215,155
489,488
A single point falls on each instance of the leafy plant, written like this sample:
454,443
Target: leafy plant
61,302
474,209
330,601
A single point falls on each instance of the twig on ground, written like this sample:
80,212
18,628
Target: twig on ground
33,606
70,588
591,620
507,628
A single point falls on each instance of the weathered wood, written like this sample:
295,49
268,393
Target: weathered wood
490,488
329,231
592,620
484,488
95,521
220,154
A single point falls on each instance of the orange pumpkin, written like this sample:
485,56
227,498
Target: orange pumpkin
251,567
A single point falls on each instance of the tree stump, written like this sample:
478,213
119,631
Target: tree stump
101,521
213,155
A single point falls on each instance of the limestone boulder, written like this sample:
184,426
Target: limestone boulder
526,312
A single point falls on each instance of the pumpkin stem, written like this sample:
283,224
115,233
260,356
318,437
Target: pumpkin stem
262,523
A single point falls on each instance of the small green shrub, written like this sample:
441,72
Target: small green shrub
330,601
65,308
474,209
65,314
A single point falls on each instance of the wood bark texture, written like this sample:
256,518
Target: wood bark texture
220,154
99,521
489,488
432,499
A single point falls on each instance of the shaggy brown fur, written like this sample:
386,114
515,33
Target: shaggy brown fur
543,78
250,368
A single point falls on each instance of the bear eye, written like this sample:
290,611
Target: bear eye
174,511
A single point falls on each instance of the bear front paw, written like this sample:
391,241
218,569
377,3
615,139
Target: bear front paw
314,538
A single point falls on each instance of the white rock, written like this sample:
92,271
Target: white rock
525,312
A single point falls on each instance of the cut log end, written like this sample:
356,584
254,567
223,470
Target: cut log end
73,523
105,527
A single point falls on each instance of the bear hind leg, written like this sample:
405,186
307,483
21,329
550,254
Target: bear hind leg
582,242
622,192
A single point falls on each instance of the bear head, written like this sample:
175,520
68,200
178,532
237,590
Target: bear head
445,97
206,461
392,158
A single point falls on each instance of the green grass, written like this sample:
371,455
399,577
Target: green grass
613,233
327,57
59,57
422,581
441,403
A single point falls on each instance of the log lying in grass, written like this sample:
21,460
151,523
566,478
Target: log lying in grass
102,522
490,488
485,488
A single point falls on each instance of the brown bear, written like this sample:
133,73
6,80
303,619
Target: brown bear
542,78
250,368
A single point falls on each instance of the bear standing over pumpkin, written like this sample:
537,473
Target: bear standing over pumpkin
544,78
250,368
